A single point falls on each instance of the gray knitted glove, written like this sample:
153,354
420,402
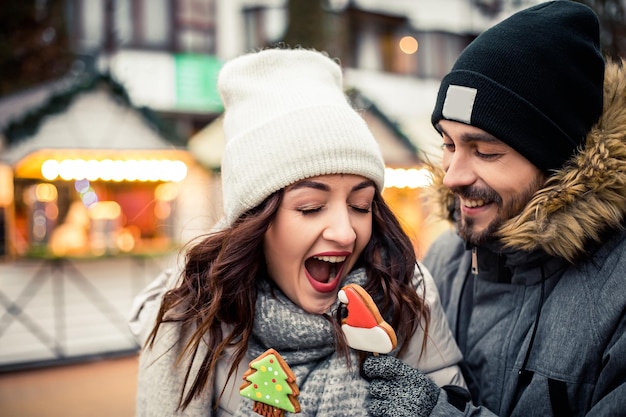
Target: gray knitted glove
397,390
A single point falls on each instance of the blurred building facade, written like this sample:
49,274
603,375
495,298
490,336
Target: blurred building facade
83,243
393,53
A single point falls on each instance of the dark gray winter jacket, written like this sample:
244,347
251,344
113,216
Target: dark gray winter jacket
541,320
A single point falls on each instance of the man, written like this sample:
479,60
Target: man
533,281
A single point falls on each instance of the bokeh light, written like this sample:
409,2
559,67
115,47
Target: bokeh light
408,45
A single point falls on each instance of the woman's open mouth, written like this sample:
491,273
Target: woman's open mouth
323,271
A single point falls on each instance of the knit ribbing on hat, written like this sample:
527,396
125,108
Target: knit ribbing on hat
537,78
286,119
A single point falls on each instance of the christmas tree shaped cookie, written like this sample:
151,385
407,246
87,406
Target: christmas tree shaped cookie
364,327
272,385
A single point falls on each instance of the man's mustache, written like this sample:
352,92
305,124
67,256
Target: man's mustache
476,193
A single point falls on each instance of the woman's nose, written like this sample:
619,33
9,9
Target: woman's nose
339,228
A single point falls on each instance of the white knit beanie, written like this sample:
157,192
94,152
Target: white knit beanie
286,119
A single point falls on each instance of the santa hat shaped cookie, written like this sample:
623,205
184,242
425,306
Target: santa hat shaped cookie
364,327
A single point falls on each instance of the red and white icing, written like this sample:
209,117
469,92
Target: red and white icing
364,327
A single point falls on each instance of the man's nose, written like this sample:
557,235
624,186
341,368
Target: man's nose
458,171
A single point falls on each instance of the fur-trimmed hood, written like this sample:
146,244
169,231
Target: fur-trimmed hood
584,199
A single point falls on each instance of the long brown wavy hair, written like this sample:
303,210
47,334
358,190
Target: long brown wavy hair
218,286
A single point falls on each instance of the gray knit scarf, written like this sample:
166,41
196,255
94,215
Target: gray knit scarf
306,342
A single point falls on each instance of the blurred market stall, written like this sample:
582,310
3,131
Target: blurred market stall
91,189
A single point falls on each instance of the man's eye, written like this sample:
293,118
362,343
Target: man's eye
448,147
487,155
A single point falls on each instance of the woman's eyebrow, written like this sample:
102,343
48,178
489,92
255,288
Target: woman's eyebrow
324,187
310,184
364,184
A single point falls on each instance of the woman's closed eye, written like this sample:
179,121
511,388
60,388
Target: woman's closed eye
305,210
308,210
361,209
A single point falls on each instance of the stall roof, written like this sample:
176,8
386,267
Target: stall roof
93,114
13,107
406,101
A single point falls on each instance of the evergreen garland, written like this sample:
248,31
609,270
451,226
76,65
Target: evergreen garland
28,125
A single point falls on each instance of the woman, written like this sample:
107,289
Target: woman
303,216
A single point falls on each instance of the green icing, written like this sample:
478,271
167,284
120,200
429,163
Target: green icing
269,384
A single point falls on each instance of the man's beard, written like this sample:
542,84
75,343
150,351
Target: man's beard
512,208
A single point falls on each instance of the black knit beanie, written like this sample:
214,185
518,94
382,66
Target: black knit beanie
534,81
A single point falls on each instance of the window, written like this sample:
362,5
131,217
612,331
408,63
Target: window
126,23
155,23
263,26
437,52
195,21
88,23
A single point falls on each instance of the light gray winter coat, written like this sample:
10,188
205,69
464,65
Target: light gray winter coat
160,377
542,324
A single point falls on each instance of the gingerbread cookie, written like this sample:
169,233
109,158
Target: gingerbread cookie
272,385
364,327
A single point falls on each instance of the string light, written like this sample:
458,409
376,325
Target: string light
114,170
407,178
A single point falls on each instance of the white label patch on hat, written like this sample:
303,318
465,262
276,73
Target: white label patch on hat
459,103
